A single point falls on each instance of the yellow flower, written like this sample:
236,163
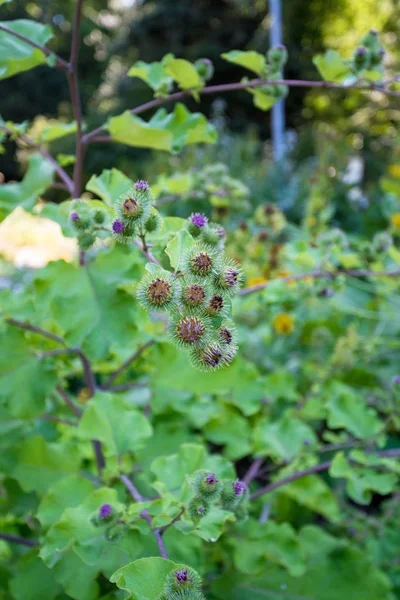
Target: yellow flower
394,171
257,280
283,323
395,220
30,241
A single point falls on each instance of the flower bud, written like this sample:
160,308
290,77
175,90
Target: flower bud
206,485
189,330
229,278
142,185
205,68
99,217
200,260
215,305
105,512
86,240
182,579
197,508
277,56
154,222
193,294
158,290
360,58
196,223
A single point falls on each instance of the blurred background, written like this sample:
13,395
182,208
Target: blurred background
340,128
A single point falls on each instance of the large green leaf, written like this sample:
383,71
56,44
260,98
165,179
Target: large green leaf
332,66
75,530
16,55
164,131
254,61
40,463
25,379
334,570
283,438
37,178
54,131
232,430
65,493
110,419
154,74
348,409
361,481
183,72
34,581
145,578
271,542
177,246
110,185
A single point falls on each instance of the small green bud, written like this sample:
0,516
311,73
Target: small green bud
153,222
86,239
277,56
99,217
370,39
114,532
197,508
205,68
360,58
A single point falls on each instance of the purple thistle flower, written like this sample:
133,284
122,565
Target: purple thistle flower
142,185
231,277
190,330
200,509
118,226
239,488
396,379
211,479
105,511
182,576
74,216
198,219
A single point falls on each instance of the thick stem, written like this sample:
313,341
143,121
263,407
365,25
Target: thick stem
34,329
32,144
126,364
144,514
231,87
147,252
75,409
253,470
16,539
75,98
60,63
391,453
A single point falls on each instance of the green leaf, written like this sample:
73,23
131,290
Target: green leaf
249,60
77,578
231,430
154,74
110,185
112,421
41,464
76,531
183,72
18,362
262,99
16,55
312,492
37,178
361,481
65,493
177,246
284,438
172,470
332,66
145,578
58,130
164,131
349,410
34,581
273,542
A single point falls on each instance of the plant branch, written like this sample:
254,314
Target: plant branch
55,419
60,63
320,274
231,87
324,466
253,470
126,364
174,520
73,84
34,329
75,409
137,496
16,539
32,144
147,252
